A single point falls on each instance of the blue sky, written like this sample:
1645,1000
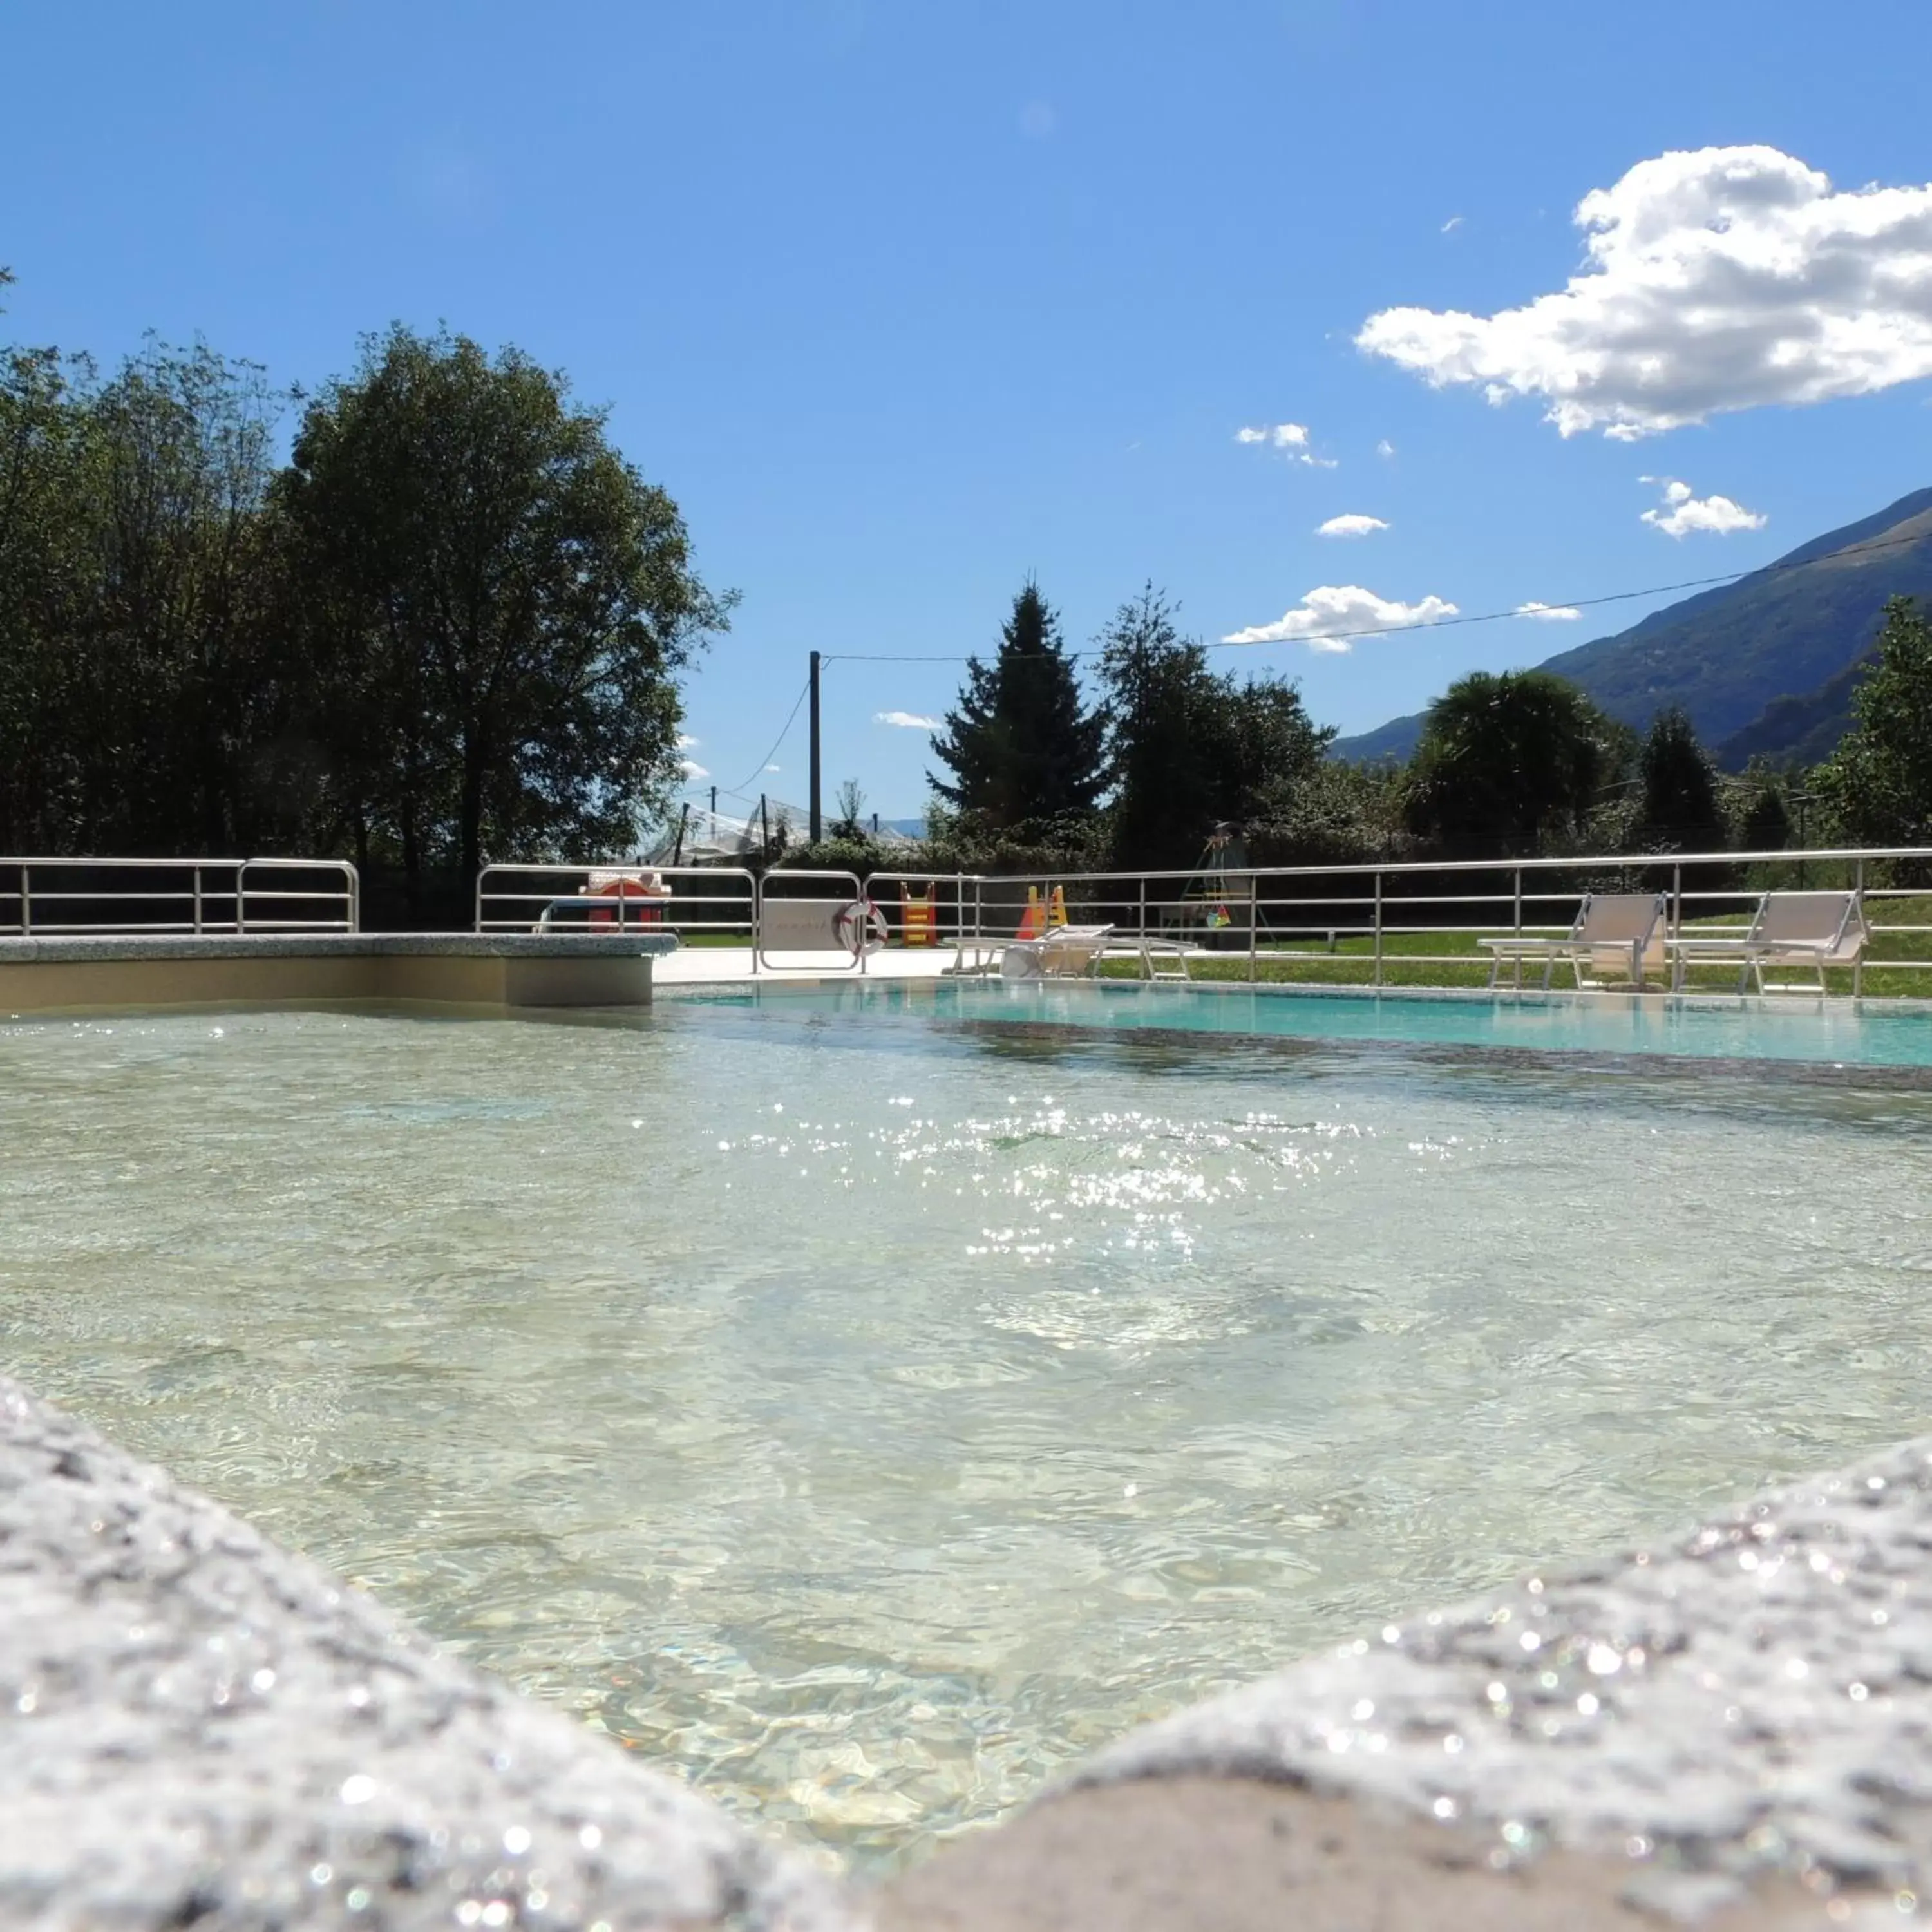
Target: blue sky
904,302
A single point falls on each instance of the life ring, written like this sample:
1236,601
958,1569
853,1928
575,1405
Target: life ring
859,928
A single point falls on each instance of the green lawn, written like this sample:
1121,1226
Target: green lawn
1458,961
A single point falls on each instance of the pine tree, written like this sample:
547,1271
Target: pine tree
1022,745
1680,811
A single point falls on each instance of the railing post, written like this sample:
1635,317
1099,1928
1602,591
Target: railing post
1378,926
1254,920
26,905
1143,933
197,899
241,898
1517,930
1858,963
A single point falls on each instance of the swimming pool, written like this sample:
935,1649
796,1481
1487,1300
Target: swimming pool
867,1411
1782,1027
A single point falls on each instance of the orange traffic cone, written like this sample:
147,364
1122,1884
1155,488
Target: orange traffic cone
1033,921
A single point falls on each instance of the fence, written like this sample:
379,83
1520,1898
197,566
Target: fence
1373,924
706,905
100,897
1385,922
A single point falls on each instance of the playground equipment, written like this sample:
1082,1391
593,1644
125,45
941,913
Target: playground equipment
1220,893
918,916
611,895
1043,916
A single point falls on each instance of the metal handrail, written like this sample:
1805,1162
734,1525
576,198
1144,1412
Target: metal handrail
213,895
1368,903
501,908
761,957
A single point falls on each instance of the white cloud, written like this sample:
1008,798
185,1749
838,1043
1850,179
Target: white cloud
1291,439
1721,279
693,769
1454,222
1385,448
1283,436
1548,614
1330,615
1683,512
687,743
1354,524
907,721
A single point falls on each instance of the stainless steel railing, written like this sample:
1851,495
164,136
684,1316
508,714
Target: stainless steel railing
69,897
1373,920
706,905
1367,923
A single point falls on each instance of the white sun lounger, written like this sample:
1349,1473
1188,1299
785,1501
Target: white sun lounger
1614,932
1814,929
1066,952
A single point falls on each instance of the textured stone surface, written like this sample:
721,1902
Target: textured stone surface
1750,1703
1234,1854
198,1728
634,944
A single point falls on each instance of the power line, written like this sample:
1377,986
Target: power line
1441,624
790,720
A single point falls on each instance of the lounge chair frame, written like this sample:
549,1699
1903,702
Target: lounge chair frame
1618,925
1836,937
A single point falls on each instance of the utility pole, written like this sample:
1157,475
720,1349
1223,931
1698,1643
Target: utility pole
814,748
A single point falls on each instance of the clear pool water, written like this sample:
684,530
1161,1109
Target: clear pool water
1784,1028
865,1413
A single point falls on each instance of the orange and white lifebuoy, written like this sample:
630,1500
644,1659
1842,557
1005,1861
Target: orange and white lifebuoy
860,927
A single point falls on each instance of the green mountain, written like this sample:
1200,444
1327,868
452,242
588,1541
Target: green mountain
1797,730
1763,664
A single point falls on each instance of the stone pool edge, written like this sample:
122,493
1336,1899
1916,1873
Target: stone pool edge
1731,1726
65,976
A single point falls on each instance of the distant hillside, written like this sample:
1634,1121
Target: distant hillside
1395,739
1731,656
1798,730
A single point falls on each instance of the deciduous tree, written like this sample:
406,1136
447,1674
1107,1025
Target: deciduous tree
502,601
1190,750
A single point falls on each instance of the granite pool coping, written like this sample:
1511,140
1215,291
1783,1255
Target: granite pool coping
1729,1727
68,948
198,1728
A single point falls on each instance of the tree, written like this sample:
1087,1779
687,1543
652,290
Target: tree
1190,750
44,590
1020,744
1763,810
184,679
1678,809
1878,783
497,603
1333,813
139,671
1159,693
850,823
1507,760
